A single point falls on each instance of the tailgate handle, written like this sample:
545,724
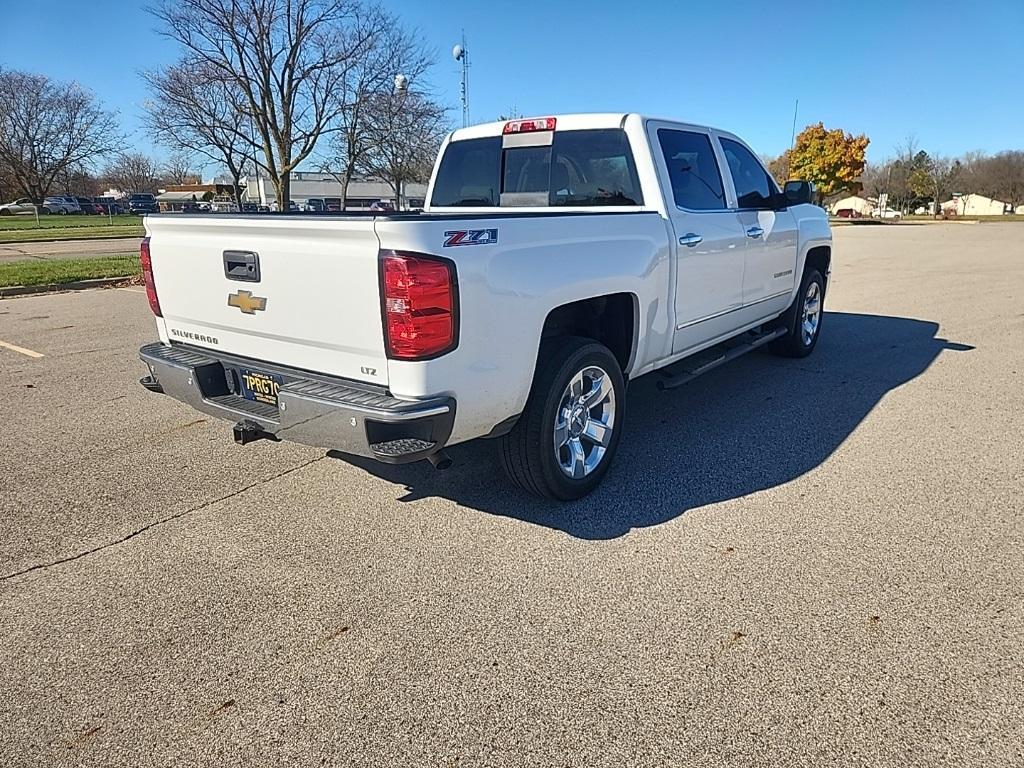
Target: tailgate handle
242,265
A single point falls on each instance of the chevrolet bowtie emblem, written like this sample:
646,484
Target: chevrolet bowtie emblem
246,302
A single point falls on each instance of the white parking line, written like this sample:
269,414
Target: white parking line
131,290
22,350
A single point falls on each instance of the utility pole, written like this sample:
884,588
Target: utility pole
792,135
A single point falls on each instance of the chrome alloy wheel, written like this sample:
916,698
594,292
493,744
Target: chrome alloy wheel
812,313
584,422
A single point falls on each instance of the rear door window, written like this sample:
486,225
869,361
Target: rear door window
754,187
578,168
692,170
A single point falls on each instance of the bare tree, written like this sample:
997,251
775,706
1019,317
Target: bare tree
941,174
287,59
391,51
49,128
195,110
133,172
405,131
873,178
8,189
178,169
1000,176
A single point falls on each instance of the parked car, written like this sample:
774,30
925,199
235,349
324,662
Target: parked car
382,205
22,206
109,206
89,206
888,213
250,208
315,205
556,258
142,202
62,204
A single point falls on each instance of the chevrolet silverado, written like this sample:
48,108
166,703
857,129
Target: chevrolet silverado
556,259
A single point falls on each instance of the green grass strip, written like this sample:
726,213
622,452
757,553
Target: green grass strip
37,272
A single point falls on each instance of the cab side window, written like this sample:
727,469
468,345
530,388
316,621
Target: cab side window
692,170
754,189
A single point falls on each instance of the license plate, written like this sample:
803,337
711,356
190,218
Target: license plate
259,387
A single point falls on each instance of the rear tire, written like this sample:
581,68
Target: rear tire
804,317
567,435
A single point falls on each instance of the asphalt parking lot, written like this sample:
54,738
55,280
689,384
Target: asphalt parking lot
792,563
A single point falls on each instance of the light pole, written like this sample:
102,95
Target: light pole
402,92
461,53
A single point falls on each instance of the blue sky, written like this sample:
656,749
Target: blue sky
948,74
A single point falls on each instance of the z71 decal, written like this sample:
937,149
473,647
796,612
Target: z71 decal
471,237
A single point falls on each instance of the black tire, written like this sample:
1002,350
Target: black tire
796,343
5,212
528,452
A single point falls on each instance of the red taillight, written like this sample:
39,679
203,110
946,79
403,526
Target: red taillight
419,305
147,276
529,126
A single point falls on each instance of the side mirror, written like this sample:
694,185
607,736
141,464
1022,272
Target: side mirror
798,192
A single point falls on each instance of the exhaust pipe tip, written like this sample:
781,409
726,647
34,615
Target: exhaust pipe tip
440,461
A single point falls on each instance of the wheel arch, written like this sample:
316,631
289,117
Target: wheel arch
820,258
613,319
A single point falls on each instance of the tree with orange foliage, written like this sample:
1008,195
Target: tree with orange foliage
832,159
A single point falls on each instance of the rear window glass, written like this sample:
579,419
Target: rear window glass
579,168
470,173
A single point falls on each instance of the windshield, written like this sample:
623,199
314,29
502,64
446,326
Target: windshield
579,168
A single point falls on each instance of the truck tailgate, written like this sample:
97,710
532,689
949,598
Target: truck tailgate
315,304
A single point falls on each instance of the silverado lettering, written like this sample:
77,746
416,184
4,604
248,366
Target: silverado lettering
194,336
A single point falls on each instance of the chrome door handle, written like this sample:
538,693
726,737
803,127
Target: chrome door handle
755,232
690,239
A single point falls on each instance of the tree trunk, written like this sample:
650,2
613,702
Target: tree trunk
346,179
282,188
236,180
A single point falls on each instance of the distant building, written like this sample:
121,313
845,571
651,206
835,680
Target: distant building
974,205
856,203
307,185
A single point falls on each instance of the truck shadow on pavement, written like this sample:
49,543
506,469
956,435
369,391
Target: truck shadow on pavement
753,424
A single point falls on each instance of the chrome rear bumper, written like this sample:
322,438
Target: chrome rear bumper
322,411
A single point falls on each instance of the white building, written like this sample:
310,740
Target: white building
856,203
975,205
306,185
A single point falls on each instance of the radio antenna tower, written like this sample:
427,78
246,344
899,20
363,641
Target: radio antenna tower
461,53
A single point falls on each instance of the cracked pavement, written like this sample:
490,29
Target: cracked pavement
797,563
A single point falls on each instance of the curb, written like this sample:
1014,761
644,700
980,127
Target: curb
71,239
78,285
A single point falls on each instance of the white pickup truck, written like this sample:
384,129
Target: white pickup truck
555,259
